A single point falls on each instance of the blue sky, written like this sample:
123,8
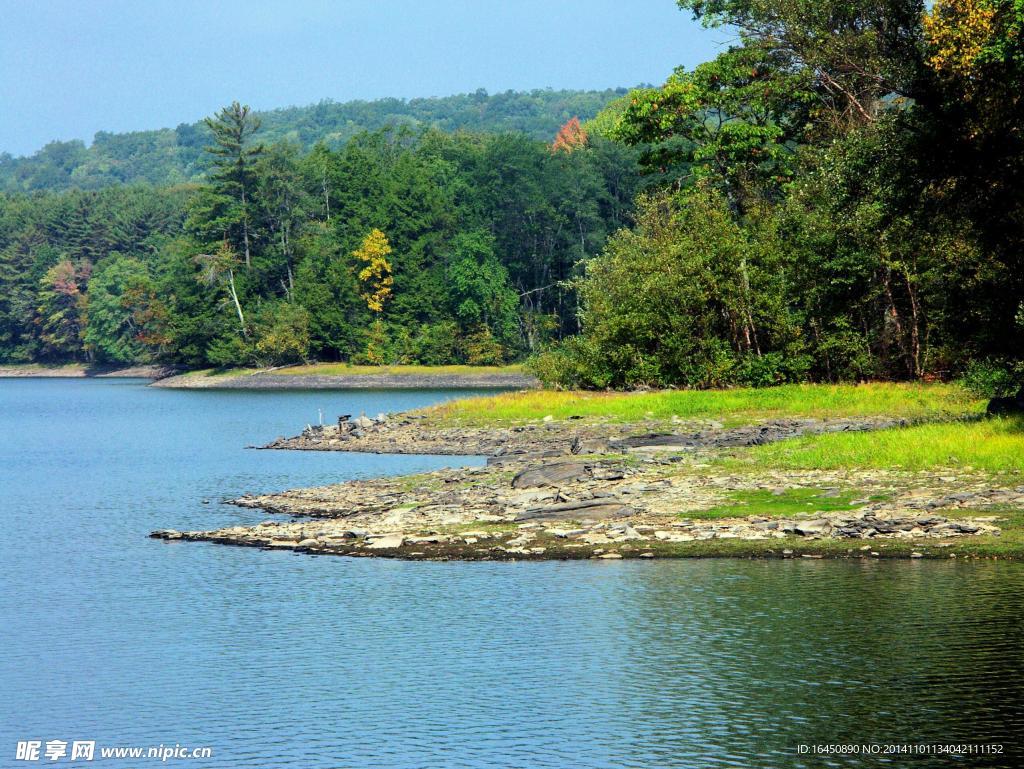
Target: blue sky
69,68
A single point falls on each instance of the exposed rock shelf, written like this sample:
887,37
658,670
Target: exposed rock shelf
576,490
414,434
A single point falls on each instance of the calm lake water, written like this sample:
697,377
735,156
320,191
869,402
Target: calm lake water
281,660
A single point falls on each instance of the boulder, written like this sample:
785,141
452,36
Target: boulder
387,542
818,527
588,446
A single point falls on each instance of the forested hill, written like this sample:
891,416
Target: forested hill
172,156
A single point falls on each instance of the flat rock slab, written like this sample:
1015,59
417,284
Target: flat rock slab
600,508
554,474
652,439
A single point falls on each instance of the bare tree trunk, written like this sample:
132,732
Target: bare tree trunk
915,329
750,330
238,306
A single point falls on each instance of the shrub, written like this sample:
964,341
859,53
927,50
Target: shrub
993,377
482,349
281,332
573,363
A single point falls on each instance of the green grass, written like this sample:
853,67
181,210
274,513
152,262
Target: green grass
989,445
214,373
738,406
784,504
345,369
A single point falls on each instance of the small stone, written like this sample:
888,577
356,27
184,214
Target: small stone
916,555
308,543
609,556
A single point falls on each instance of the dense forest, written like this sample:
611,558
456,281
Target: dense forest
174,156
837,196
404,245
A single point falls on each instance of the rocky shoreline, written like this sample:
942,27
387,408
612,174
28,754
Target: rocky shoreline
412,433
578,489
83,371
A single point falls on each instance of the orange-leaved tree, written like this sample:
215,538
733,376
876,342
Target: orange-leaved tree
570,137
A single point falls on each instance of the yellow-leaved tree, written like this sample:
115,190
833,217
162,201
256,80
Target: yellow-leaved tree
376,275
958,32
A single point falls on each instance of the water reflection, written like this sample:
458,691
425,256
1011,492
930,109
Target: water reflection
280,660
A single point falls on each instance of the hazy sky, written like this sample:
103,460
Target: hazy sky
69,68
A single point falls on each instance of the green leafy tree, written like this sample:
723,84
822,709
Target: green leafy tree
282,333
688,297
479,288
736,119
126,321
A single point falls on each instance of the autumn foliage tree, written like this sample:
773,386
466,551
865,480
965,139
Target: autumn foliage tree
61,308
376,275
570,137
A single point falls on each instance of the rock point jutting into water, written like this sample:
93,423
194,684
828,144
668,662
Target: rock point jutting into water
581,489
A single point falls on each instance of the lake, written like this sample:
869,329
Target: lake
274,659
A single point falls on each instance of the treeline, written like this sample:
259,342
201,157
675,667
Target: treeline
175,156
402,246
848,203
837,196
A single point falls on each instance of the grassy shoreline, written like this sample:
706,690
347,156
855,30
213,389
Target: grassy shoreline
730,407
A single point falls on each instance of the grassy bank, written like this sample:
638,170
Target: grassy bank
738,406
990,445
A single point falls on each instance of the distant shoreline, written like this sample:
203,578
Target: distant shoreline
296,378
83,371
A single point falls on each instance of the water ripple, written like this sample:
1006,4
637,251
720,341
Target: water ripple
279,660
